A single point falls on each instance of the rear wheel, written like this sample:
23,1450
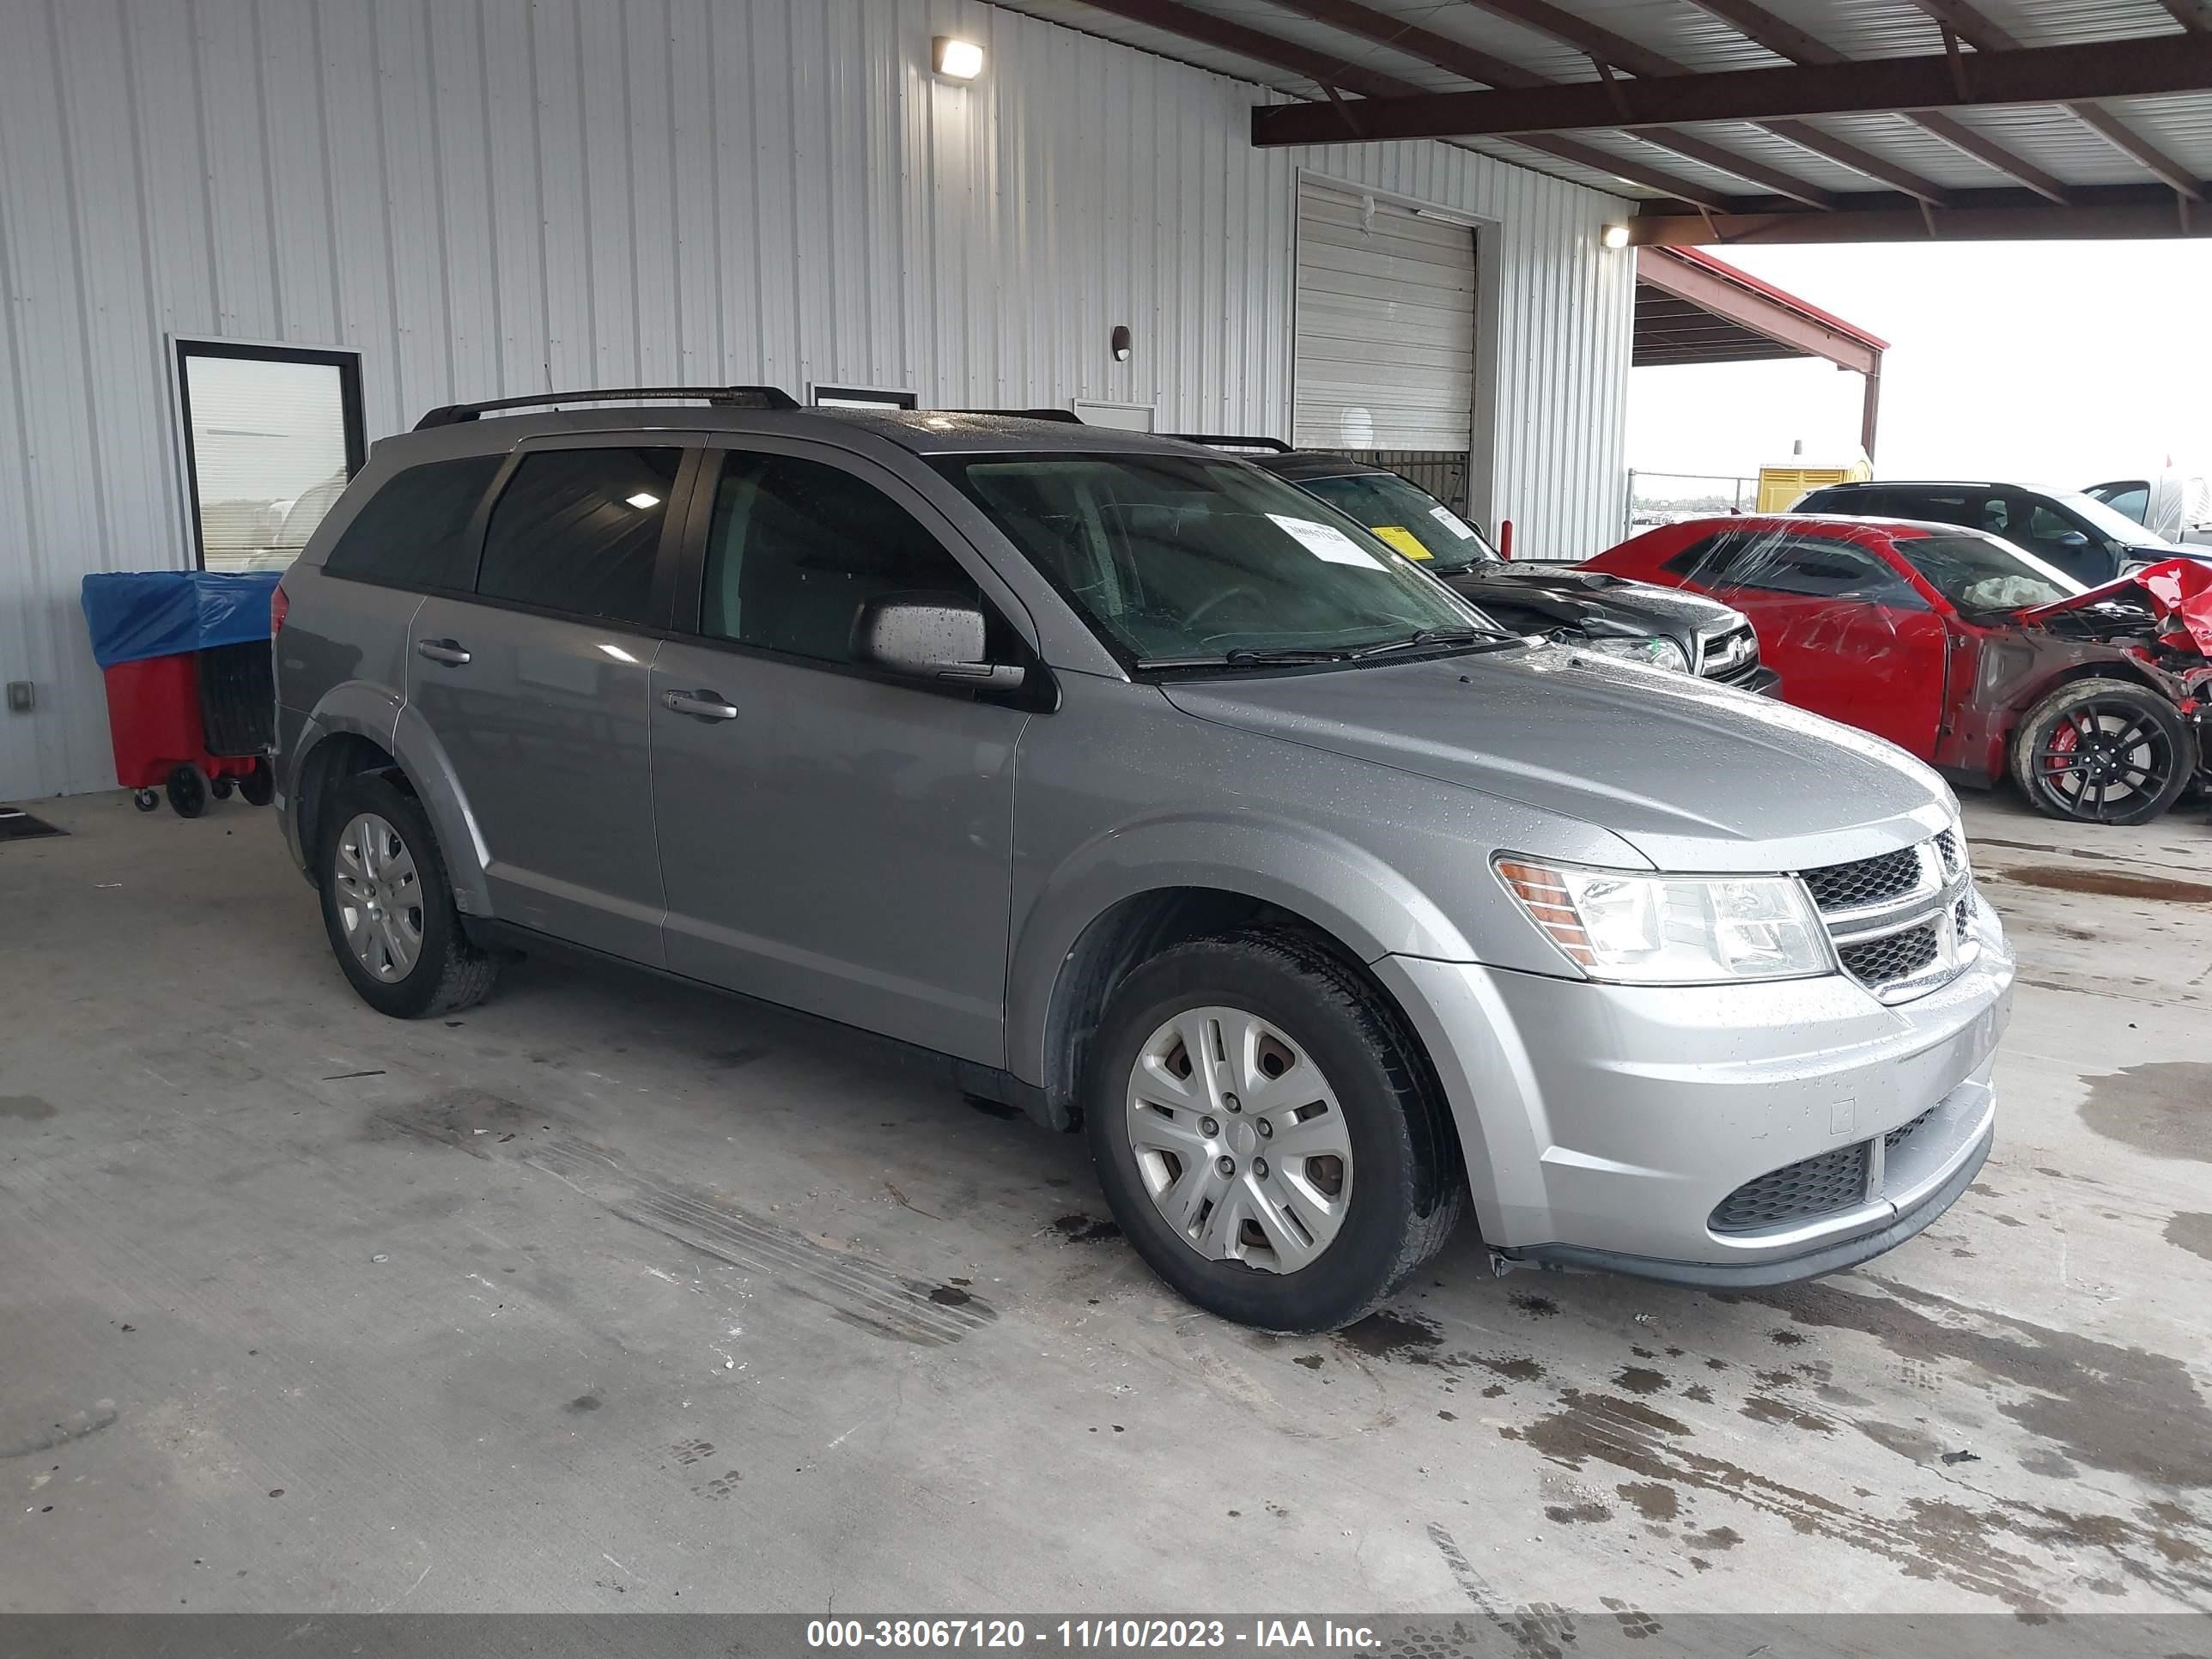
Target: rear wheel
1263,1133
2102,751
388,906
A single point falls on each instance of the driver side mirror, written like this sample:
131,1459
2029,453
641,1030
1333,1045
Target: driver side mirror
930,636
2074,541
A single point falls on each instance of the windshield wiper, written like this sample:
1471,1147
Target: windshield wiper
1245,654
1421,639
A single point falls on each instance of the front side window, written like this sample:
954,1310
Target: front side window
414,532
1776,561
271,435
1407,517
1192,563
796,548
1982,574
579,529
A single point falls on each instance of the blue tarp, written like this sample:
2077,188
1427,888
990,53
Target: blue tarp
135,615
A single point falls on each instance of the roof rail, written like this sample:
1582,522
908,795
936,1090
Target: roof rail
1066,415
1219,441
738,396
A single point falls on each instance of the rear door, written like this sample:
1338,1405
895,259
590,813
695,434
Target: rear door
834,839
1850,636
536,686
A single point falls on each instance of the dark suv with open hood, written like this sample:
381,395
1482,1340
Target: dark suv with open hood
1597,611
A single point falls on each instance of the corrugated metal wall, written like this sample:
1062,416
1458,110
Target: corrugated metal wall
488,196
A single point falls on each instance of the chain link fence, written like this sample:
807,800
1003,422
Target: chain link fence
1657,498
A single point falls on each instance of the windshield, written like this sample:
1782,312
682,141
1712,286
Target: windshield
1407,517
2113,526
1980,572
1202,561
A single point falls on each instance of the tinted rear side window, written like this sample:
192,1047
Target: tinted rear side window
578,530
414,532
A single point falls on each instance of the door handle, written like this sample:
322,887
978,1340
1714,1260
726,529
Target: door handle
700,705
448,652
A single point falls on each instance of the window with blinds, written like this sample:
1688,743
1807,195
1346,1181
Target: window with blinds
271,435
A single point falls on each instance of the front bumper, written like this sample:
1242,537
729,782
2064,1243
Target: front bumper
1604,1125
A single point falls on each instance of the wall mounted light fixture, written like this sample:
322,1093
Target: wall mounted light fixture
1614,236
955,59
1121,342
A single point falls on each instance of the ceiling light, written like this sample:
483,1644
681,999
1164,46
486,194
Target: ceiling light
955,59
1614,236
641,501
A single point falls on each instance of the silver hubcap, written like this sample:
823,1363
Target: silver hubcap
379,897
1239,1139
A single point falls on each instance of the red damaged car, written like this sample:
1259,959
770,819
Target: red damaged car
1965,650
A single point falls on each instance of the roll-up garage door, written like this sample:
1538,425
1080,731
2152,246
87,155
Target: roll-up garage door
1384,358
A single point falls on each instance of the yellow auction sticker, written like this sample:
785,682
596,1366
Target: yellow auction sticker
1404,540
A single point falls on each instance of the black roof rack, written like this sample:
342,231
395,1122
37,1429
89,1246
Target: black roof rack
1066,415
1219,441
737,396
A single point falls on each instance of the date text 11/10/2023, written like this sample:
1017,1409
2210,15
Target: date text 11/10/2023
1085,1635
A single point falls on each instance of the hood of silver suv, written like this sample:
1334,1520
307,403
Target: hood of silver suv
1694,775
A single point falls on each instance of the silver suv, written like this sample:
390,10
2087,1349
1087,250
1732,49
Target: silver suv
1149,795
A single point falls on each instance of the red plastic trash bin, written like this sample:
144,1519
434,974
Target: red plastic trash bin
154,723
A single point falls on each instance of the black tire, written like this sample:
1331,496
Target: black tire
220,788
448,972
1405,1187
188,791
2139,744
258,787
146,800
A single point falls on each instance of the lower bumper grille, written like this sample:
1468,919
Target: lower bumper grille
1798,1192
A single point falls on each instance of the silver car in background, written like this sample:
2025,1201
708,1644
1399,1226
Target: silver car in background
1144,792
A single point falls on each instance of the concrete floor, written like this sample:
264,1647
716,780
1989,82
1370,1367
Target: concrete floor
610,1295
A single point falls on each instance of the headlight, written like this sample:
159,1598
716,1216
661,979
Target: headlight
1673,930
1656,651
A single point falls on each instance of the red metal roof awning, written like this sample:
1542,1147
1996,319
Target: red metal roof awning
1693,308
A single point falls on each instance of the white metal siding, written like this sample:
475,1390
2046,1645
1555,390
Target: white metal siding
1384,357
495,197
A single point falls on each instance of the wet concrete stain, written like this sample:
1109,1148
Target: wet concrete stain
583,1402
1312,1361
2109,884
26,1108
1654,1500
1514,1367
1699,1392
1536,1630
1571,1514
1911,1443
1716,1538
1765,1408
853,1286
2125,1410
1639,1379
2190,1230
2163,1108
1387,1335
1536,1307
1080,1229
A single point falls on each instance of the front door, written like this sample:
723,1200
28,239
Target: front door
832,839
1851,637
537,691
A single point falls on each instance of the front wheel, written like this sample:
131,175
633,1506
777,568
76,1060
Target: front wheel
2102,751
388,906
1265,1135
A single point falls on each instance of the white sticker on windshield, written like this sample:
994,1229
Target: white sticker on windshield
1452,521
1325,541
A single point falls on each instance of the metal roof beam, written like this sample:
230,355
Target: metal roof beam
2195,14
2100,212
2034,75
1476,64
1983,33
1347,119
1712,292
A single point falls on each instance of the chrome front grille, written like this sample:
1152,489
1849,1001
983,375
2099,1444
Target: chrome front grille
1902,922
1869,881
1729,655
